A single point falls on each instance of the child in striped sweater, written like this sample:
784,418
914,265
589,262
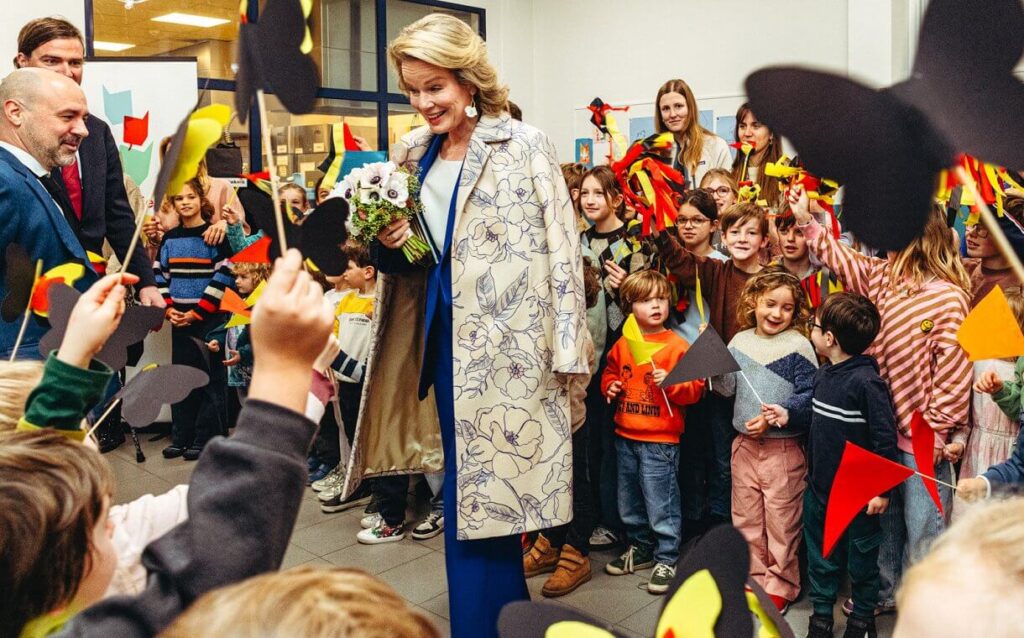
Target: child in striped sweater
771,414
922,296
192,277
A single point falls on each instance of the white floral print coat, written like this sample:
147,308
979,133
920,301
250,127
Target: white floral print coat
519,331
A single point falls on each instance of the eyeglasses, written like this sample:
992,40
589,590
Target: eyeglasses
721,190
692,221
812,324
977,229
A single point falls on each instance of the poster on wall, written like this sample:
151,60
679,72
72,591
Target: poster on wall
640,128
143,100
584,152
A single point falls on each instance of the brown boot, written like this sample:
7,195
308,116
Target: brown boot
541,558
573,570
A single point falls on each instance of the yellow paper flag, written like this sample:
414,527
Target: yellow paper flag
205,127
575,629
767,628
694,609
638,347
990,331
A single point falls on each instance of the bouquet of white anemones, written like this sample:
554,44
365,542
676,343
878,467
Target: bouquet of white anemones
379,194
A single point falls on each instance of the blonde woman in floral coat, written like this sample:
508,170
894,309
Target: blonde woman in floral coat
492,334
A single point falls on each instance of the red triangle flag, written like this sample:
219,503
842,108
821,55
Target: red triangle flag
234,304
257,252
861,476
923,439
350,141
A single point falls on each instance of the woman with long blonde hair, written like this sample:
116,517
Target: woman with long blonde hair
923,294
697,149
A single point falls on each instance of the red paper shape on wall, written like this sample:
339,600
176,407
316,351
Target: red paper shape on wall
136,130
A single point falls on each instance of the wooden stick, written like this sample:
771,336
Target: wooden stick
758,396
139,219
992,223
668,404
950,486
28,311
103,417
272,170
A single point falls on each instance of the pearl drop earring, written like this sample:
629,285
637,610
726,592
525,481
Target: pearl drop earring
470,110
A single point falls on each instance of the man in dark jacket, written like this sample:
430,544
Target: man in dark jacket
96,205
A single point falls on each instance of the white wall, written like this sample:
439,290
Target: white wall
17,12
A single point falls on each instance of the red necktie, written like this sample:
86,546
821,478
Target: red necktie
73,183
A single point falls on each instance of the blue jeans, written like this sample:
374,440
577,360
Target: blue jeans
649,496
909,526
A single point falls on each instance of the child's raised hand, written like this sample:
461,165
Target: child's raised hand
613,391
94,318
615,274
877,505
756,426
290,324
971,489
989,383
775,414
799,204
229,214
233,358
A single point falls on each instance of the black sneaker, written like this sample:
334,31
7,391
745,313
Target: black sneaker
820,627
858,627
173,451
109,436
429,527
192,453
337,504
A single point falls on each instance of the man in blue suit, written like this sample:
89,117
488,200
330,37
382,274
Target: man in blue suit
42,124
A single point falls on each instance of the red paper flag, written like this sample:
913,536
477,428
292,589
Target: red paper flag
862,476
350,141
923,438
257,252
136,130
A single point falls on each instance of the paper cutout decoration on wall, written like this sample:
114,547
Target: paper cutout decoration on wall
707,357
990,331
117,105
862,475
136,322
962,97
136,129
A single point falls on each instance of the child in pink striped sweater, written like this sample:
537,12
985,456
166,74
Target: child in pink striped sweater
922,296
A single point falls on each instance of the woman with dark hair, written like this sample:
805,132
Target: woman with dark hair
767,148
697,149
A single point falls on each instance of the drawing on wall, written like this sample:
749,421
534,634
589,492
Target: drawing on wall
640,128
584,151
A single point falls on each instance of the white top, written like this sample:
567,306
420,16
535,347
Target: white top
25,158
436,194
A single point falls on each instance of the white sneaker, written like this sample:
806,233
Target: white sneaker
334,477
603,537
429,527
382,533
370,521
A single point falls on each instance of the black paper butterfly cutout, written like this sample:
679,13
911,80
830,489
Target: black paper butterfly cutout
719,562
887,146
153,387
135,324
318,237
269,57
19,274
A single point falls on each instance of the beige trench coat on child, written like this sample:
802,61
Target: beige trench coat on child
519,332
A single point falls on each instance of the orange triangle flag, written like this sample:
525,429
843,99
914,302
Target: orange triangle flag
234,304
257,252
990,331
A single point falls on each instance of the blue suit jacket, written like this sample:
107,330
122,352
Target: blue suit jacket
30,217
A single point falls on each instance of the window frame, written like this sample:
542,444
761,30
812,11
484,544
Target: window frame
381,97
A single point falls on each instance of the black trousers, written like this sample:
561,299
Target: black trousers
202,415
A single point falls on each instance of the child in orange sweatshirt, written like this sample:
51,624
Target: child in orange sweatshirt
648,422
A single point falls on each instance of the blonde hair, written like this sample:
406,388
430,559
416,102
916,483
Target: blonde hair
450,43
1015,298
644,284
986,548
932,253
303,602
693,135
17,380
722,174
770,278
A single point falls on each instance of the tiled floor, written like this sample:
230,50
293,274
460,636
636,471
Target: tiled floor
416,569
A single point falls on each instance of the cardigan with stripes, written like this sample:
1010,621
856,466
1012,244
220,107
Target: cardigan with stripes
916,347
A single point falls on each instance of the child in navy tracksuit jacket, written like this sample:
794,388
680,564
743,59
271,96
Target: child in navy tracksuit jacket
192,278
851,403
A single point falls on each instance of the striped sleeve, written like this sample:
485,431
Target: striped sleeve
856,271
348,366
209,302
162,274
950,400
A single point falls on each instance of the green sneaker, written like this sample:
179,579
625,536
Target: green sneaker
661,578
633,559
